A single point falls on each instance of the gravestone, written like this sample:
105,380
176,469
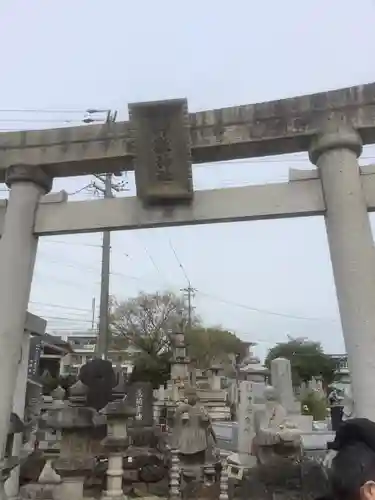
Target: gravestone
139,395
281,377
251,396
251,399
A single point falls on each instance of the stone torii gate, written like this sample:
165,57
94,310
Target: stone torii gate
160,142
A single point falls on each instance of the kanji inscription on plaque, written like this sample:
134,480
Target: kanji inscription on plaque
161,143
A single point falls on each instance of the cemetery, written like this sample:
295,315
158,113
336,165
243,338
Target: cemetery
106,438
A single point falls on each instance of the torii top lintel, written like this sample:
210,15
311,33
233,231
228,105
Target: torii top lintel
269,128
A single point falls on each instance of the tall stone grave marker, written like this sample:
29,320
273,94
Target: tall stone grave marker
281,379
139,395
251,396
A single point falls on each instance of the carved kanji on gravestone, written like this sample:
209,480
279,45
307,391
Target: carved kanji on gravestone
100,379
139,395
161,144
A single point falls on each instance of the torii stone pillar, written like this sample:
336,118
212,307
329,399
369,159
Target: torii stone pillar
34,325
351,245
18,247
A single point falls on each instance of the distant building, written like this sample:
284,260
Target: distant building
45,354
83,346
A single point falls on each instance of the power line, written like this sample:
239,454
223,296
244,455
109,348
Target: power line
189,290
84,267
59,306
40,110
264,311
58,242
47,312
62,318
42,120
179,262
210,296
69,283
88,186
152,260
215,298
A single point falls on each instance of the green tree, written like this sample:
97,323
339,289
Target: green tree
214,344
307,360
313,404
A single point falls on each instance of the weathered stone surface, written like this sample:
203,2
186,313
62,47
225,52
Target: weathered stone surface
216,135
38,492
150,437
49,475
161,141
28,173
139,396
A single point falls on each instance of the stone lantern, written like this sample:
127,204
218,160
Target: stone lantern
116,444
216,371
79,447
179,366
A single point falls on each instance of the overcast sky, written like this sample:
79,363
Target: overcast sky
264,280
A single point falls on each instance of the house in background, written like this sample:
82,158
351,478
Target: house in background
83,345
45,353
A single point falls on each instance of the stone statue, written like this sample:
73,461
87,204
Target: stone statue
192,433
275,434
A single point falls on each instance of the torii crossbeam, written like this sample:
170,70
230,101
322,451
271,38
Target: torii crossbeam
253,130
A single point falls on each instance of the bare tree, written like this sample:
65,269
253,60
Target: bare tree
146,321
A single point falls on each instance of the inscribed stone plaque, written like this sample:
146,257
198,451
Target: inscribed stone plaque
140,397
161,142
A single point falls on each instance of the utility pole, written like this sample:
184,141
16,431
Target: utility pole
189,291
106,188
93,305
103,334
